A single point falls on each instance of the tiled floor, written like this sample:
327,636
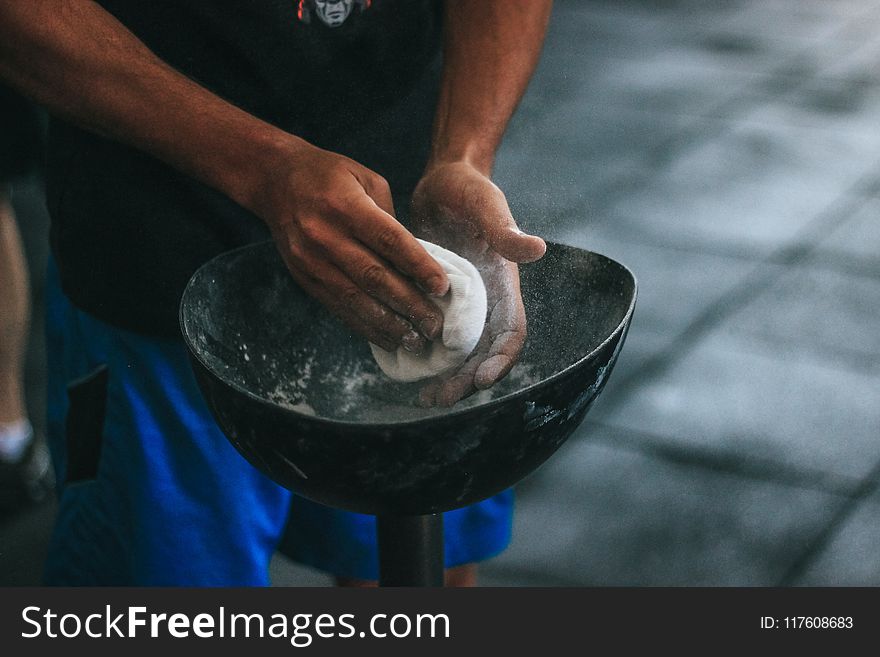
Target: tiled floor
728,151
729,157
646,521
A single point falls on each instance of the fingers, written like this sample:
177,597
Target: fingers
446,392
455,386
517,246
500,230
503,354
382,234
507,240
361,312
342,244
507,326
428,394
482,371
496,353
388,287
378,190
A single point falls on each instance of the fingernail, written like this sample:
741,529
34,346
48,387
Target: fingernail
437,286
490,372
413,342
431,327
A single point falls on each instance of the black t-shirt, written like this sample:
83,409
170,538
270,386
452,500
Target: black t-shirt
21,136
357,77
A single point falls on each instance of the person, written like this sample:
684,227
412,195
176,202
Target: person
183,129
25,473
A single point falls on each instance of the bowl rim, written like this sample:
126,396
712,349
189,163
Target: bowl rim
379,426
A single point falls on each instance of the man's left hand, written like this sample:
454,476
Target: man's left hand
456,206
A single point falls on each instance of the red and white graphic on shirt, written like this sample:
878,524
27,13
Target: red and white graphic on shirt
332,13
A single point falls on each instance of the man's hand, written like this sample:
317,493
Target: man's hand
332,218
333,222
486,66
458,207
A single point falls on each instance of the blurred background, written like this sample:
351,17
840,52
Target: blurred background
728,152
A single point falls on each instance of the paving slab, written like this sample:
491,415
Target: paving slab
284,572
599,515
846,106
753,189
673,82
550,191
676,287
850,557
856,239
612,137
746,399
831,316
782,20
856,54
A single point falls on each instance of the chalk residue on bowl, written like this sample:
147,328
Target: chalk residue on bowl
356,391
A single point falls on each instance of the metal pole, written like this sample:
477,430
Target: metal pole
410,550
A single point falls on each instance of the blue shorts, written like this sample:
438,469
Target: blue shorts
152,493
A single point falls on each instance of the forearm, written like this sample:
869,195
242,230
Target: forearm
331,218
490,51
85,66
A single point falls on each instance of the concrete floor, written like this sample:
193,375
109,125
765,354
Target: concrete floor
728,151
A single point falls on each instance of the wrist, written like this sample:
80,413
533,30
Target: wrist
263,155
470,153
472,157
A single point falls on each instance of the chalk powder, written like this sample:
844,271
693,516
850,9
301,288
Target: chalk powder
356,391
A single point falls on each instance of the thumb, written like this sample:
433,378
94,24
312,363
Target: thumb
514,245
501,232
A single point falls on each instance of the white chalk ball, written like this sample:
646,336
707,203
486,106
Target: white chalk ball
464,317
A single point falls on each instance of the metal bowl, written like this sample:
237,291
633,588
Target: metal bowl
301,398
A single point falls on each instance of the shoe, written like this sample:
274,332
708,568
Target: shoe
28,480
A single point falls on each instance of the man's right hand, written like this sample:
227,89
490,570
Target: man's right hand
333,222
332,219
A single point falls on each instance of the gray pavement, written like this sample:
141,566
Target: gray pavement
728,151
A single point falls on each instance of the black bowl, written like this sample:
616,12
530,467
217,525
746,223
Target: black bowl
302,399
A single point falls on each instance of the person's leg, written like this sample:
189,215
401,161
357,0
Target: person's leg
20,149
25,473
14,314
153,493
344,544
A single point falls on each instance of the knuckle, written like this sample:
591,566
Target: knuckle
337,204
324,200
422,312
290,247
297,251
348,298
346,208
380,185
310,228
388,239
397,323
373,275
413,308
